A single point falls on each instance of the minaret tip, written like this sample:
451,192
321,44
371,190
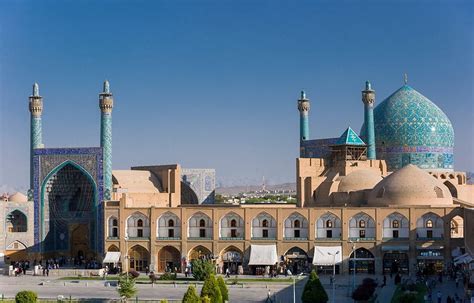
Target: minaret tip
35,90
106,89
405,78
303,95
367,85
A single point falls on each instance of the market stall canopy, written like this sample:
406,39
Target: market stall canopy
327,255
263,254
112,257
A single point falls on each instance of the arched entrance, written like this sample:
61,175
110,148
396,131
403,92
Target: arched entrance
113,248
68,213
296,260
231,259
199,252
363,260
457,227
169,259
139,258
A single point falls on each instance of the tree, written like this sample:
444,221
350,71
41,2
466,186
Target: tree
314,291
26,296
191,295
126,286
211,290
202,269
223,288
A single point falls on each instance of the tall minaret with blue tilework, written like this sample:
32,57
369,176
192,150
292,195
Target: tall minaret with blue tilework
106,103
303,108
36,132
368,98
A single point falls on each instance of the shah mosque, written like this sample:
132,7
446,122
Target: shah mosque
385,200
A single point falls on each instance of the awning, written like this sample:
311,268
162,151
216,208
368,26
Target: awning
395,248
327,255
466,259
460,257
263,254
112,257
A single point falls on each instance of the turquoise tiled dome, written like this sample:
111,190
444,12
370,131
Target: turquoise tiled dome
409,128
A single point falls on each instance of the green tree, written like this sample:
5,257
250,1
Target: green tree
191,295
126,286
26,296
205,299
314,291
211,290
202,269
223,288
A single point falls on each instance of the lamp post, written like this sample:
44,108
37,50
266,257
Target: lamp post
354,263
294,286
127,264
333,275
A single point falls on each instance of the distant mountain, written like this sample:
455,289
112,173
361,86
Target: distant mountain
235,190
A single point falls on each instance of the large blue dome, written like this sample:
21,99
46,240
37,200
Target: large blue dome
409,128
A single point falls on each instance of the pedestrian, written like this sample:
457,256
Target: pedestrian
186,271
440,296
384,280
448,300
147,270
227,273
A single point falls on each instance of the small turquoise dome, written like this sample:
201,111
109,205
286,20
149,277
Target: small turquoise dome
410,129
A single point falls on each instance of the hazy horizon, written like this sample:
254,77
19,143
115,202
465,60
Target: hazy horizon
213,84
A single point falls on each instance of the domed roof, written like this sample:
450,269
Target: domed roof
359,180
410,185
18,197
407,118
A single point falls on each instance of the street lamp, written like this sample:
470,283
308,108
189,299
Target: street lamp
333,275
353,263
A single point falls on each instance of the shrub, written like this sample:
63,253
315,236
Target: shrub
314,291
191,295
211,289
202,269
26,296
126,287
167,276
163,301
223,288
205,299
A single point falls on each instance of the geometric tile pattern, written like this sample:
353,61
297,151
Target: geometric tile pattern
409,128
349,137
202,182
106,143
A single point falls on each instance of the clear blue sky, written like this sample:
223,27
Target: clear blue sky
213,84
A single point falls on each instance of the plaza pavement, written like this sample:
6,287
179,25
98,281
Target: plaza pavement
250,292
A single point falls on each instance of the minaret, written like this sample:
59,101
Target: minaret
106,103
36,133
368,97
303,107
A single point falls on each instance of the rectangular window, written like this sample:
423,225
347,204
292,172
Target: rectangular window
233,233
115,232
362,233
329,233
202,233
395,234
170,233
429,234
297,233
140,233
265,233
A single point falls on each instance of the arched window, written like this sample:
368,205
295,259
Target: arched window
202,223
362,224
429,224
297,223
263,226
17,222
169,226
231,226
200,226
296,227
138,226
113,227
395,224
329,224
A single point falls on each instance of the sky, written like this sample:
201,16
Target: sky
214,84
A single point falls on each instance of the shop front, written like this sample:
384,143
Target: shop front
296,260
263,259
326,259
430,260
232,260
395,259
362,261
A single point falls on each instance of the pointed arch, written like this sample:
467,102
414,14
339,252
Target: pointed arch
263,226
430,226
113,230
138,225
328,226
168,226
139,257
296,227
452,189
361,226
199,252
395,225
113,247
200,226
231,226
169,259
457,227
16,221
